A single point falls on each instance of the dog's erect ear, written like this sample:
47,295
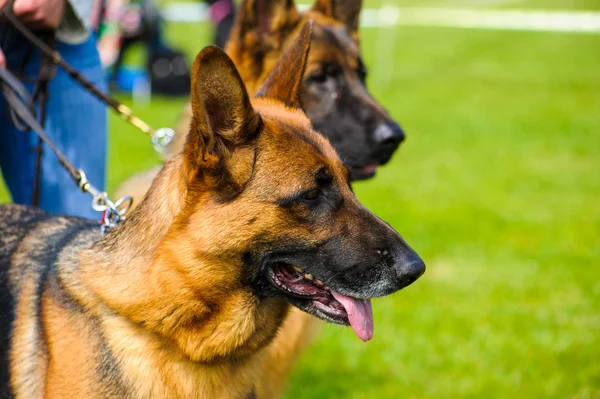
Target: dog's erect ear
346,11
264,16
223,122
284,83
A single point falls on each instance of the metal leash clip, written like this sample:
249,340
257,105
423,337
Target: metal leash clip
112,212
162,138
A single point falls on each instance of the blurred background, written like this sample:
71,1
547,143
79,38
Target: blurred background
497,188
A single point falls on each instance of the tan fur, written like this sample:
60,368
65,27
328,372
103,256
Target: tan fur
294,337
69,341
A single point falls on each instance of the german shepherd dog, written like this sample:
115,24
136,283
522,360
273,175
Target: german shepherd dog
181,300
335,99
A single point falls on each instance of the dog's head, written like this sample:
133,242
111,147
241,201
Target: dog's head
269,204
334,93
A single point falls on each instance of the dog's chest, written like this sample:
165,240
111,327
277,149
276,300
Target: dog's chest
149,368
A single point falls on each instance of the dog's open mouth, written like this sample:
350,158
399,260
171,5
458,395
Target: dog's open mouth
310,294
364,172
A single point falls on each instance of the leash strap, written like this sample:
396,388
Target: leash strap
19,99
40,96
161,138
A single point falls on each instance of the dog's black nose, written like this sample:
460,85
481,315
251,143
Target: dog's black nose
388,137
409,268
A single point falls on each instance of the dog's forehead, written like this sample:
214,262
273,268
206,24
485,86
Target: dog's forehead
287,126
274,111
289,130
335,43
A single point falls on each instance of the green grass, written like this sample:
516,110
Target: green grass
497,188
555,5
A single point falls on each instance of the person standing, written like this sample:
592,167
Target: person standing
222,14
74,120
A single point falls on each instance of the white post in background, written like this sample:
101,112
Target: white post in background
383,18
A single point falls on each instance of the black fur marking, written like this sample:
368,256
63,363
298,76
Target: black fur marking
326,202
330,37
323,181
7,317
42,337
50,269
17,222
108,371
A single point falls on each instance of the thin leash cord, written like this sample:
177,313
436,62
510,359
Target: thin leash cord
160,138
19,99
40,96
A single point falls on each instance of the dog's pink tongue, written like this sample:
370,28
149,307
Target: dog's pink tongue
360,314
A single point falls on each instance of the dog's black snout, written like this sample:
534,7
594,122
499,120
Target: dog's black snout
409,268
388,137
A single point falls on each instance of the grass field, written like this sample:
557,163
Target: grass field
497,187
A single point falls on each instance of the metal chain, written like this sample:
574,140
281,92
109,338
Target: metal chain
112,212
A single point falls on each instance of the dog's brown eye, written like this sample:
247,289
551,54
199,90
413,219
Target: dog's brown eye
327,71
312,195
319,77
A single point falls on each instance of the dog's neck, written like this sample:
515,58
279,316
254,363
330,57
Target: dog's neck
139,237
148,271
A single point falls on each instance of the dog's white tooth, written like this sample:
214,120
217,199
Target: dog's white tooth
319,282
296,268
308,276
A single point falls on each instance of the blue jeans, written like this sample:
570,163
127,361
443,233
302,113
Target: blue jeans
75,121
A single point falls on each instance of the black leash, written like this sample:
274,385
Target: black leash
161,138
40,97
20,102
19,99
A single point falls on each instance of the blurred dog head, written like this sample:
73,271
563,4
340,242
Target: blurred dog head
334,92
